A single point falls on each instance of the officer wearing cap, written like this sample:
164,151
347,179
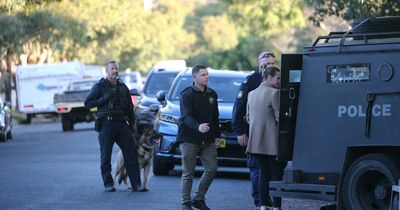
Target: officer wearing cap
239,124
114,123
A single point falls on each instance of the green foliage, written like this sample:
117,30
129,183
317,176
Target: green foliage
11,34
219,33
227,34
242,57
350,10
16,6
268,17
127,33
236,31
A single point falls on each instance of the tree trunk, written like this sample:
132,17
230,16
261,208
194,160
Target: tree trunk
8,74
23,58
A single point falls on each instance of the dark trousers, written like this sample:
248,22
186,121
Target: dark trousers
118,132
270,170
254,173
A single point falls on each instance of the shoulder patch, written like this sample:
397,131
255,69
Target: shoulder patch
240,94
211,100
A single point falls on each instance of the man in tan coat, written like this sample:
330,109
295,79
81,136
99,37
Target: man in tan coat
263,116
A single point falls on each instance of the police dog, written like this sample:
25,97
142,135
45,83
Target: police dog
145,152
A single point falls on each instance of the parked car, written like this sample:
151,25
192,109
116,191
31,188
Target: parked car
167,153
159,78
132,79
5,121
70,103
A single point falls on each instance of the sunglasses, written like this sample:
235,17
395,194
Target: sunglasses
266,55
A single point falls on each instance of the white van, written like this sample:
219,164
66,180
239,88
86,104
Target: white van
36,85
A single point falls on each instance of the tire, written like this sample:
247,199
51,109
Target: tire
369,180
67,124
28,119
9,135
160,167
3,137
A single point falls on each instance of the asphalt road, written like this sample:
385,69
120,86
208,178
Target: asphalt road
45,168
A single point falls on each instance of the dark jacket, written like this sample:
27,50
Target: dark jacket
196,108
239,123
111,101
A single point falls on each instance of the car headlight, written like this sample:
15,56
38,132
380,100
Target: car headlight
143,109
169,118
2,123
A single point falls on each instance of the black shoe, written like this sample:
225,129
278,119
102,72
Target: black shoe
138,188
109,188
269,202
186,206
200,204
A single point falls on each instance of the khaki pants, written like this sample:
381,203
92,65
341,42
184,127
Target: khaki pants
208,156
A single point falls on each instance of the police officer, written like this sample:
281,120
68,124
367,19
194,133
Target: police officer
114,123
239,124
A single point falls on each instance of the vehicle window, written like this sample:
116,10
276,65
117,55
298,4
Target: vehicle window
159,82
294,76
128,78
83,85
345,73
226,88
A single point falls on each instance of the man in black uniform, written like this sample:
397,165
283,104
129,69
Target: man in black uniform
114,123
239,124
198,135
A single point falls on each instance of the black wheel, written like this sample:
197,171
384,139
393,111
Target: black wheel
9,135
369,180
160,167
67,124
28,119
3,137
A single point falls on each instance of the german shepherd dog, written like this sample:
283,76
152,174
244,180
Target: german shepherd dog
145,152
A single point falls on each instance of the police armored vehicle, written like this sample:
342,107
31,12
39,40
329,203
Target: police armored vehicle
340,118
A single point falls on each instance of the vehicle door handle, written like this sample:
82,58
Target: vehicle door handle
288,114
292,93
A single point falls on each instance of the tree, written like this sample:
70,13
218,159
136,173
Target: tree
126,32
10,37
350,10
13,35
270,24
44,32
17,6
266,18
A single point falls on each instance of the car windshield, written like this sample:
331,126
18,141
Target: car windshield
226,87
160,81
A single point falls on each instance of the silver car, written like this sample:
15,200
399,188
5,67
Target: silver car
5,121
